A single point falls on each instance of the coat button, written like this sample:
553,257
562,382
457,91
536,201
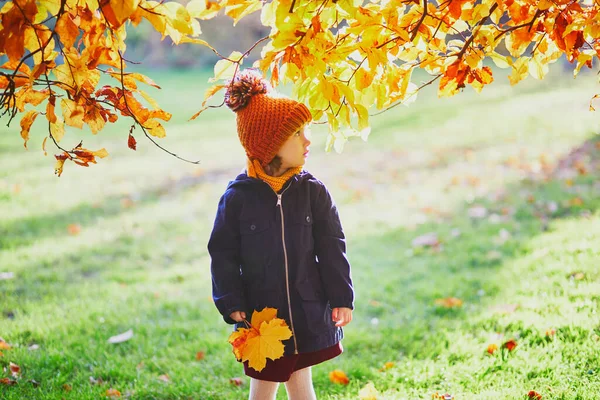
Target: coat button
252,227
308,218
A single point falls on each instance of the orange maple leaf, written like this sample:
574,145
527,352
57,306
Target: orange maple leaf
491,349
7,382
449,302
112,393
534,395
510,345
339,376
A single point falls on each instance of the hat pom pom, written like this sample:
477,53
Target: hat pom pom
245,84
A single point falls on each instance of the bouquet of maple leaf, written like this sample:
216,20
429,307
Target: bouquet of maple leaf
261,339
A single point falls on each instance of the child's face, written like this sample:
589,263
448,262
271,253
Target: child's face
294,151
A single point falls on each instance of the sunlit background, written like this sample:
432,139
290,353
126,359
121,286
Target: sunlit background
470,221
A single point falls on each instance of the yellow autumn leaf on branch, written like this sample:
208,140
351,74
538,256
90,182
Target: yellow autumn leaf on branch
26,122
262,340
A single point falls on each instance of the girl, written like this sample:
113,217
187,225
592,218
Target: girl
277,240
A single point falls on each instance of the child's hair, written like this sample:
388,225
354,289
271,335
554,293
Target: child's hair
265,119
274,165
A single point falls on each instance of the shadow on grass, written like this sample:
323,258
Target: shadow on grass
25,231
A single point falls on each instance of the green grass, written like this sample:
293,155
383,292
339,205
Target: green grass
140,260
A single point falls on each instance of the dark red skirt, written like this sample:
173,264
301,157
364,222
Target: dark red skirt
281,369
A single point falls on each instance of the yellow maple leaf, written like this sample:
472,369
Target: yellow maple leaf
267,344
26,123
266,314
369,392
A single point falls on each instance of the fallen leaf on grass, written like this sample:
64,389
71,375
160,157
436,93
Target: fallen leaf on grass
550,332
199,356
491,349
576,202
580,167
473,180
534,395
15,370
477,212
387,365
95,381
4,276
112,393
578,276
74,229
127,202
236,381
4,345
449,302
164,378
428,239
369,392
7,382
120,338
510,345
67,388
338,376
445,396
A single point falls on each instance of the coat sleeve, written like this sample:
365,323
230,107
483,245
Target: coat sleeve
330,249
224,250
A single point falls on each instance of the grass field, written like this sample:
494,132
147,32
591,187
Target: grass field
491,199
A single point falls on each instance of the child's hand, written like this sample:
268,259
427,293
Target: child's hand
342,316
238,316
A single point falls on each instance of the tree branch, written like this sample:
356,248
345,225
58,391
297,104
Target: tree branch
479,24
415,30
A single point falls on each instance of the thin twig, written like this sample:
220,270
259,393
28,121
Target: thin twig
475,31
513,28
416,28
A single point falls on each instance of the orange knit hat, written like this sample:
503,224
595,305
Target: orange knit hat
265,119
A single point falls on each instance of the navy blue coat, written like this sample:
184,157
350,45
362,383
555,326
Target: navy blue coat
253,237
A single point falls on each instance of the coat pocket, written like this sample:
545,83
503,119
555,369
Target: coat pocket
303,231
315,307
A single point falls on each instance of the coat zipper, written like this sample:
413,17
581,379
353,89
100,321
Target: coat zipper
287,278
